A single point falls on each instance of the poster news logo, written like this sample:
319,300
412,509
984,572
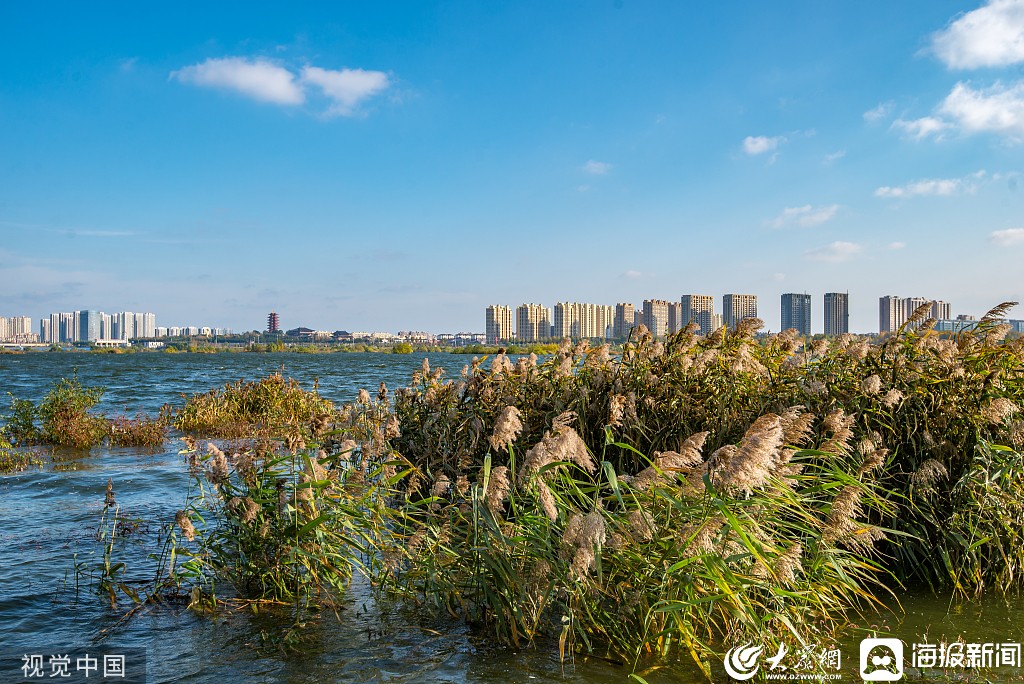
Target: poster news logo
881,660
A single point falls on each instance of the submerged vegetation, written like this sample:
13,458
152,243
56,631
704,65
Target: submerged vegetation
65,418
674,499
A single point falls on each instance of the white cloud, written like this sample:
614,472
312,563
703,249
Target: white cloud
834,253
923,127
258,79
990,36
346,88
754,145
1008,237
928,186
897,245
596,168
633,274
876,114
997,109
835,156
806,216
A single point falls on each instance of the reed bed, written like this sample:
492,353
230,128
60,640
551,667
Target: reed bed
261,408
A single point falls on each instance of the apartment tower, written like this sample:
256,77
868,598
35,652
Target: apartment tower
699,309
796,312
499,325
656,316
837,313
623,321
892,313
736,307
533,323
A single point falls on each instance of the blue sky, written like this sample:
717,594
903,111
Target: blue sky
403,165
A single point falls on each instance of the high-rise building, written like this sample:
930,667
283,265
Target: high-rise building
89,324
892,313
575,320
941,310
533,323
699,309
16,329
912,304
796,312
273,322
145,325
499,323
675,317
656,316
736,307
623,320
106,326
837,313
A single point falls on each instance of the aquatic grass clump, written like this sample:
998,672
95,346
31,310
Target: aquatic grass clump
141,431
761,539
286,520
15,460
65,417
986,522
62,418
264,407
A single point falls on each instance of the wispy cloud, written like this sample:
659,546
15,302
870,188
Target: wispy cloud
346,88
759,144
834,157
1008,237
897,245
267,81
69,231
596,168
921,128
876,114
928,186
806,216
836,252
990,36
633,274
259,79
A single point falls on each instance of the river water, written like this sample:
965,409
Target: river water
49,517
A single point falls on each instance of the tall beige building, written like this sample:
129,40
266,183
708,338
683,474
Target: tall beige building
675,317
533,323
736,307
16,329
701,310
656,316
941,311
623,320
575,320
892,313
499,324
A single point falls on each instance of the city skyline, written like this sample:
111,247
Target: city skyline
416,162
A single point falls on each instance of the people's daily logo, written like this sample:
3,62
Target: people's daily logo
741,662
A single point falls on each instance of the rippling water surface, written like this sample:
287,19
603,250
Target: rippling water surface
49,516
